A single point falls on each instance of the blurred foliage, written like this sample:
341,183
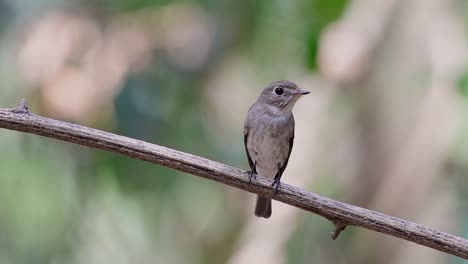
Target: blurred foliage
156,70
319,14
463,85
125,6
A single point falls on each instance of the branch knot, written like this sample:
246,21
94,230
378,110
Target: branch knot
339,227
22,109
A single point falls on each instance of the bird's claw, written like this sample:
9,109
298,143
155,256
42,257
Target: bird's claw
252,174
276,182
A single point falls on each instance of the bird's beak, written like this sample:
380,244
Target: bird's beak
301,92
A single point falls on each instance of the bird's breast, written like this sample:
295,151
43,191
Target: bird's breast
269,146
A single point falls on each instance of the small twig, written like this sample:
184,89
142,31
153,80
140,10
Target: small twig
338,212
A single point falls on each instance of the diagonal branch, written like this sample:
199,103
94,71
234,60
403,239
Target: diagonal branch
341,214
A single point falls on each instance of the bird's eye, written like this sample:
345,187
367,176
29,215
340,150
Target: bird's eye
279,91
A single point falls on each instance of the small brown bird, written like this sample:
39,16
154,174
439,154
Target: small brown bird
269,135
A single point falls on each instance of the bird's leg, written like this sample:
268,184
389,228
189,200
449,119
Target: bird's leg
277,180
253,173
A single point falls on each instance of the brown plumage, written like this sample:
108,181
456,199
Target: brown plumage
269,135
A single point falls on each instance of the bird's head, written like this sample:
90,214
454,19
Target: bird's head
281,95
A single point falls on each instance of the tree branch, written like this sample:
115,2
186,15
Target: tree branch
341,214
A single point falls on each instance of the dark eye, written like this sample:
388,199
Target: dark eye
279,91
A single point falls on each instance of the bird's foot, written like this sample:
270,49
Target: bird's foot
252,174
276,182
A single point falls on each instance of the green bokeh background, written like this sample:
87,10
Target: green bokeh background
61,203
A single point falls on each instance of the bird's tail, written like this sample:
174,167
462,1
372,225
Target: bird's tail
263,207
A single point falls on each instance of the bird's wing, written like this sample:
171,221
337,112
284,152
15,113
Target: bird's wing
246,135
291,142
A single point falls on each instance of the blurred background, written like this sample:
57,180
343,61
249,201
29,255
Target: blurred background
385,127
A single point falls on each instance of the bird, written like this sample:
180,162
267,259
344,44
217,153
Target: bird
269,135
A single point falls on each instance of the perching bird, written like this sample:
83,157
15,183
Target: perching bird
269,135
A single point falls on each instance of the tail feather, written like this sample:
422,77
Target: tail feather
263,207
